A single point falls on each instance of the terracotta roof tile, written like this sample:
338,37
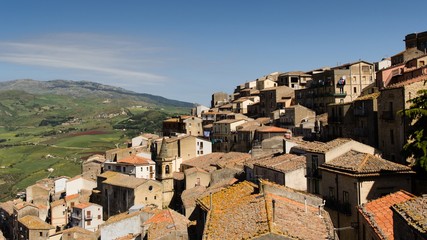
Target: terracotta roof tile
189,196
124,180
33,222
212,161
239,213
72,196
368,96
414,212
9,205
354,162
379,214
57,203
319,147
165,222
84,205
274,129
282,163
136,160
119,217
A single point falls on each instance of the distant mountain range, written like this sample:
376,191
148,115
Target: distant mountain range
87,89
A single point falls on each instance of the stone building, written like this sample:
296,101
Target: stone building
118,192
409,218
294,80
274,98
285,169
218,99
354,178
339,84
392,126
376,216
32,227
242,211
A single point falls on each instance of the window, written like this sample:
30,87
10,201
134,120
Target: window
99,216
331,193
354,89
314,162
167,169
150,188
345,198
155,197
41,234
89,222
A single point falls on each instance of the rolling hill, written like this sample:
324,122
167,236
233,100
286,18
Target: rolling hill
68,121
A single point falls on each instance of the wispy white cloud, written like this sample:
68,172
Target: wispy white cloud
108,58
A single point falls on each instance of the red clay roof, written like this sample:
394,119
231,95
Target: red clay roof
135,160
83,205
379,214
271,129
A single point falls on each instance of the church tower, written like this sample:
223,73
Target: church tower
164,173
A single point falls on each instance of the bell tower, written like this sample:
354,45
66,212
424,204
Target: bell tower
164,173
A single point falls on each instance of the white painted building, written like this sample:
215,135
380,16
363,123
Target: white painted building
87,216
203,147
136,165
79,183
60,184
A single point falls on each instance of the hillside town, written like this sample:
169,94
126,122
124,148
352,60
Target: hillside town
289,155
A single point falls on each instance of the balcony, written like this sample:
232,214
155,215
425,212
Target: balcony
76,216
338,95
387,115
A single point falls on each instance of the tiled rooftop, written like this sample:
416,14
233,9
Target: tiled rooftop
193,170
239,213
209,162
85,205
124,180
319,147
368,96
119,217
8,206
57,203
135,160
34,223
164,222
189,196
282,163
227,121
414,211
354,162
379,214
21,205
274,129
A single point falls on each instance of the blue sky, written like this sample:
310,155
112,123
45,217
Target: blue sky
186,50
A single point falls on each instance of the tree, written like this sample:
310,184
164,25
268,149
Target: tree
416,145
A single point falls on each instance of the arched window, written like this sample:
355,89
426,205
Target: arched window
167,169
